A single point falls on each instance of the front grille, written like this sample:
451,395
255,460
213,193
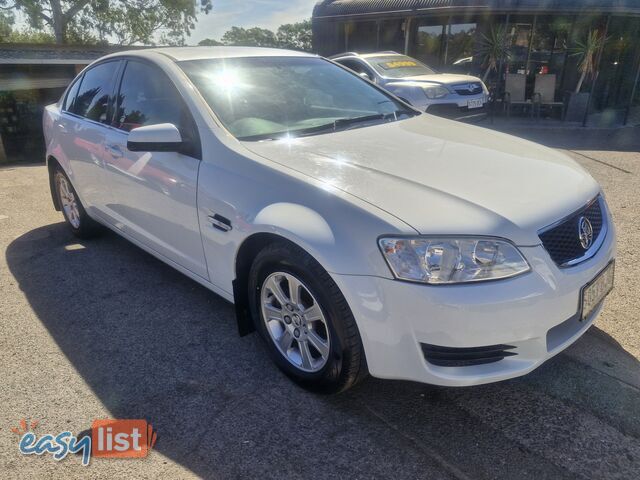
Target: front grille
562,241
468,89
465,357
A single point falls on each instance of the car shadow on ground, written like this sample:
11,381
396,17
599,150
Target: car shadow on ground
153,344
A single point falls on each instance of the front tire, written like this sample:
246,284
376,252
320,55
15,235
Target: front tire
80,223
305,320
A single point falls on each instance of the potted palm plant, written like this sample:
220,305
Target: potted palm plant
493,49
586,51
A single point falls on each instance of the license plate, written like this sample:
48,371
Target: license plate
476,103
594,292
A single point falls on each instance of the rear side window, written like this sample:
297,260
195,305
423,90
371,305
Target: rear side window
71,96
92,100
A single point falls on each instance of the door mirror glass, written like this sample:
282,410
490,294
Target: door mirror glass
162,137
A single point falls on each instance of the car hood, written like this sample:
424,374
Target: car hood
443,177
442,79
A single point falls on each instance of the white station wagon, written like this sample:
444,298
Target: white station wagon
356,234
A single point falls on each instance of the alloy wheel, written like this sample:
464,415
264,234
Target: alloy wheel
68,201
295,322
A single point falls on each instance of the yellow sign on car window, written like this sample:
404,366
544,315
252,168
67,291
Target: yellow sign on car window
400,64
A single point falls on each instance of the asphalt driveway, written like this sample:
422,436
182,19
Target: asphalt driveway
100,329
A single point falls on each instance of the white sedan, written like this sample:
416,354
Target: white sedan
356,234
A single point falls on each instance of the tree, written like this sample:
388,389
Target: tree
6,22
128,21
28,36
209,42
295,36
250,37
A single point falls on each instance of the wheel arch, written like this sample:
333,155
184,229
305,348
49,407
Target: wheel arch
245,256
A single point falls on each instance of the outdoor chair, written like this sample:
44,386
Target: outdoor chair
514,93
544,94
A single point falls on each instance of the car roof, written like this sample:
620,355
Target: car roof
179,54
387,53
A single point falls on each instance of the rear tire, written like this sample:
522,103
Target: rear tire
76,217
317,315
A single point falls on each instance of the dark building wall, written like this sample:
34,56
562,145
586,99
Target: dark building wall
449,35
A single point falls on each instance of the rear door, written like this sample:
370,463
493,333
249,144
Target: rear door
154,193
82,127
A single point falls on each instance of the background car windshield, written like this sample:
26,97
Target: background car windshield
399,66
267,97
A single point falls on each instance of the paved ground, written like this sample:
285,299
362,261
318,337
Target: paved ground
101,329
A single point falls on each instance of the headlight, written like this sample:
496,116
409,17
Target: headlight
435,92
447,260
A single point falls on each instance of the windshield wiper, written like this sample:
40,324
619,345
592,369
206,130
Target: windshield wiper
337,125
340,123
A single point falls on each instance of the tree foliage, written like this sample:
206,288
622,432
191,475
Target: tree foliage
210,42
6,22
295,36
250,37
128,22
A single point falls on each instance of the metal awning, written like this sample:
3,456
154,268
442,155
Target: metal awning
12,84
339,8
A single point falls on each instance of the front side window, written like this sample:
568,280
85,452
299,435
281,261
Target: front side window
266,97
147,97
92,100
399,66
357,67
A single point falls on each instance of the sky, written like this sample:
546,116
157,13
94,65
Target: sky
249,13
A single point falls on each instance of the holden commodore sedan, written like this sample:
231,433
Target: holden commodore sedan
461,97
354,233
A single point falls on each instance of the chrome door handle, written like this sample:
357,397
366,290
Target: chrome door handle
61,128
114,150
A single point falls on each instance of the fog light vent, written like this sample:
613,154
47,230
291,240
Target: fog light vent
465,357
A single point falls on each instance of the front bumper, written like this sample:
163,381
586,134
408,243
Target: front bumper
536,313
455,107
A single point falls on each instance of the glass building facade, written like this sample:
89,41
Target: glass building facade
541,38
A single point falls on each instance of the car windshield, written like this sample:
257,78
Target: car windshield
259,98
399,66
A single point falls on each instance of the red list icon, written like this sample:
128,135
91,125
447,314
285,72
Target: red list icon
121,438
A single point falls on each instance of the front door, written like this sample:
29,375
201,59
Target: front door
154,193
